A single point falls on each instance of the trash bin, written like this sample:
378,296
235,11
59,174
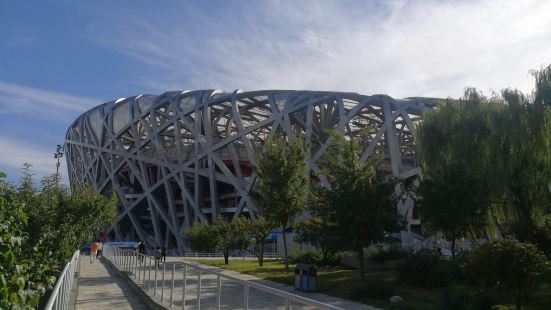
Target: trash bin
306,277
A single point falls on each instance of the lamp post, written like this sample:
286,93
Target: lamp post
58,154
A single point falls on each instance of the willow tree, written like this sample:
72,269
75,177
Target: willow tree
454,148
500,149
282,184
522,145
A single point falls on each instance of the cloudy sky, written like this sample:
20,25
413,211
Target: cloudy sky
60,58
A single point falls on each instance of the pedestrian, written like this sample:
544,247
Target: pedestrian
163,253
93,251
158,255
141,250
100,249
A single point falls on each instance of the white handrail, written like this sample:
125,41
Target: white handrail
128,260
59,299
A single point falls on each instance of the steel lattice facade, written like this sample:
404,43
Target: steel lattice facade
186,156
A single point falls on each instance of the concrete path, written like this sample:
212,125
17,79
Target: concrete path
100,288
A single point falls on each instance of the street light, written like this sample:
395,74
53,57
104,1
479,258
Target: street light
58,154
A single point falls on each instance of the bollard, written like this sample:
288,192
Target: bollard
172,286
163,286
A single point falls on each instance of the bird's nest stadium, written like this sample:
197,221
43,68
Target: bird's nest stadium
186,156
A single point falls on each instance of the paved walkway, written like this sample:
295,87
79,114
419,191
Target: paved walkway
101,288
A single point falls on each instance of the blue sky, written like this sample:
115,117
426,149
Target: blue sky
60,58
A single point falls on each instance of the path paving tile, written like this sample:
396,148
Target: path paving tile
100,288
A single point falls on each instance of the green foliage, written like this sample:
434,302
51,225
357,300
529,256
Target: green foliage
41,227
390,254
428,270
361,203
487,163
282,186
465,300
202,237
259,230
320,233
522,159
311,257
221,236
508,265
455,152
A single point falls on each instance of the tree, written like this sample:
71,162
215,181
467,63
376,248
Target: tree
221,236
320,233
361,202
231,235
202,237
259,230
282,187
41,228
509,265
522,143
455,152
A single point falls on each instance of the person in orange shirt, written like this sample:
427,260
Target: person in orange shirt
94,251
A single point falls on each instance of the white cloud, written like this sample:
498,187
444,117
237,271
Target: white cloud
402,48
17,99
42,111
15,153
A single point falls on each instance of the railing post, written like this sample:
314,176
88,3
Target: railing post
149,277
184,288
155,289
163,286
138,264
246,298
135,265
198,289
172,286
287,303
144,261
218,291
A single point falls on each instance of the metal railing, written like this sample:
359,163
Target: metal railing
151,275
244,254
59,299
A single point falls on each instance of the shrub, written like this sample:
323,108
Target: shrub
461,300
312,257
384,255
374,289
428,270
507,265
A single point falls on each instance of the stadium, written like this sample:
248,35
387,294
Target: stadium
186,156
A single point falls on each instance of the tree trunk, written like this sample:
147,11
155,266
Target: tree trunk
286,258
261,258
226,257
361,259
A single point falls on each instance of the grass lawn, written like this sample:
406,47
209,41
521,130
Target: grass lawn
341,282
